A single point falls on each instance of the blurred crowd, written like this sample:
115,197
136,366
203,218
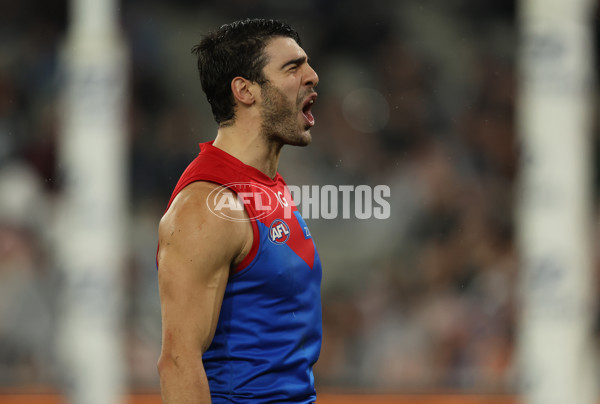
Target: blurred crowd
416,95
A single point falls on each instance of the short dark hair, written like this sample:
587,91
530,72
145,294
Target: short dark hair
235,49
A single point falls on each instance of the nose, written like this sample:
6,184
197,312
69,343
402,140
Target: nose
311,78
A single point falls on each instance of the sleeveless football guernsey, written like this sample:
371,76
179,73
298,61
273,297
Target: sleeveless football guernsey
268,336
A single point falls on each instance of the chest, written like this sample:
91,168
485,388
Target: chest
287,263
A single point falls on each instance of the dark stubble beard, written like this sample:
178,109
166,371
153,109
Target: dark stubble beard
280,119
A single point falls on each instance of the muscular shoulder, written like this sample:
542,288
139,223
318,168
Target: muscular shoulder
191,227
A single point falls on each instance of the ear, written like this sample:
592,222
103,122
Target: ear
243,90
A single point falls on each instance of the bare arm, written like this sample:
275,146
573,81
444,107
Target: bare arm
196,252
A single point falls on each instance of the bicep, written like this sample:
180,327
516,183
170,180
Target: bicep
194,258
190,302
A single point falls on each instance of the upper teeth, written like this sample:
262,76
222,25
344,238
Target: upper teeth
311,102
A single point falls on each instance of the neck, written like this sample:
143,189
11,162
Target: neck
245,142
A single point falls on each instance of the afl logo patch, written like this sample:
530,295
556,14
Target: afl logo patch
279,232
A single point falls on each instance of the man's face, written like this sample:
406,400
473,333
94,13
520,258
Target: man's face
288,95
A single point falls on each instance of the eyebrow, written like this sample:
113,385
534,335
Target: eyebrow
297,61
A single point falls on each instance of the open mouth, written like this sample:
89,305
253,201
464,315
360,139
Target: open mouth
306,109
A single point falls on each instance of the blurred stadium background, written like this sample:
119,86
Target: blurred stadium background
419,95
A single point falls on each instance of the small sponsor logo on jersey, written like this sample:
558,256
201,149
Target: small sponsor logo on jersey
279,232
302,224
